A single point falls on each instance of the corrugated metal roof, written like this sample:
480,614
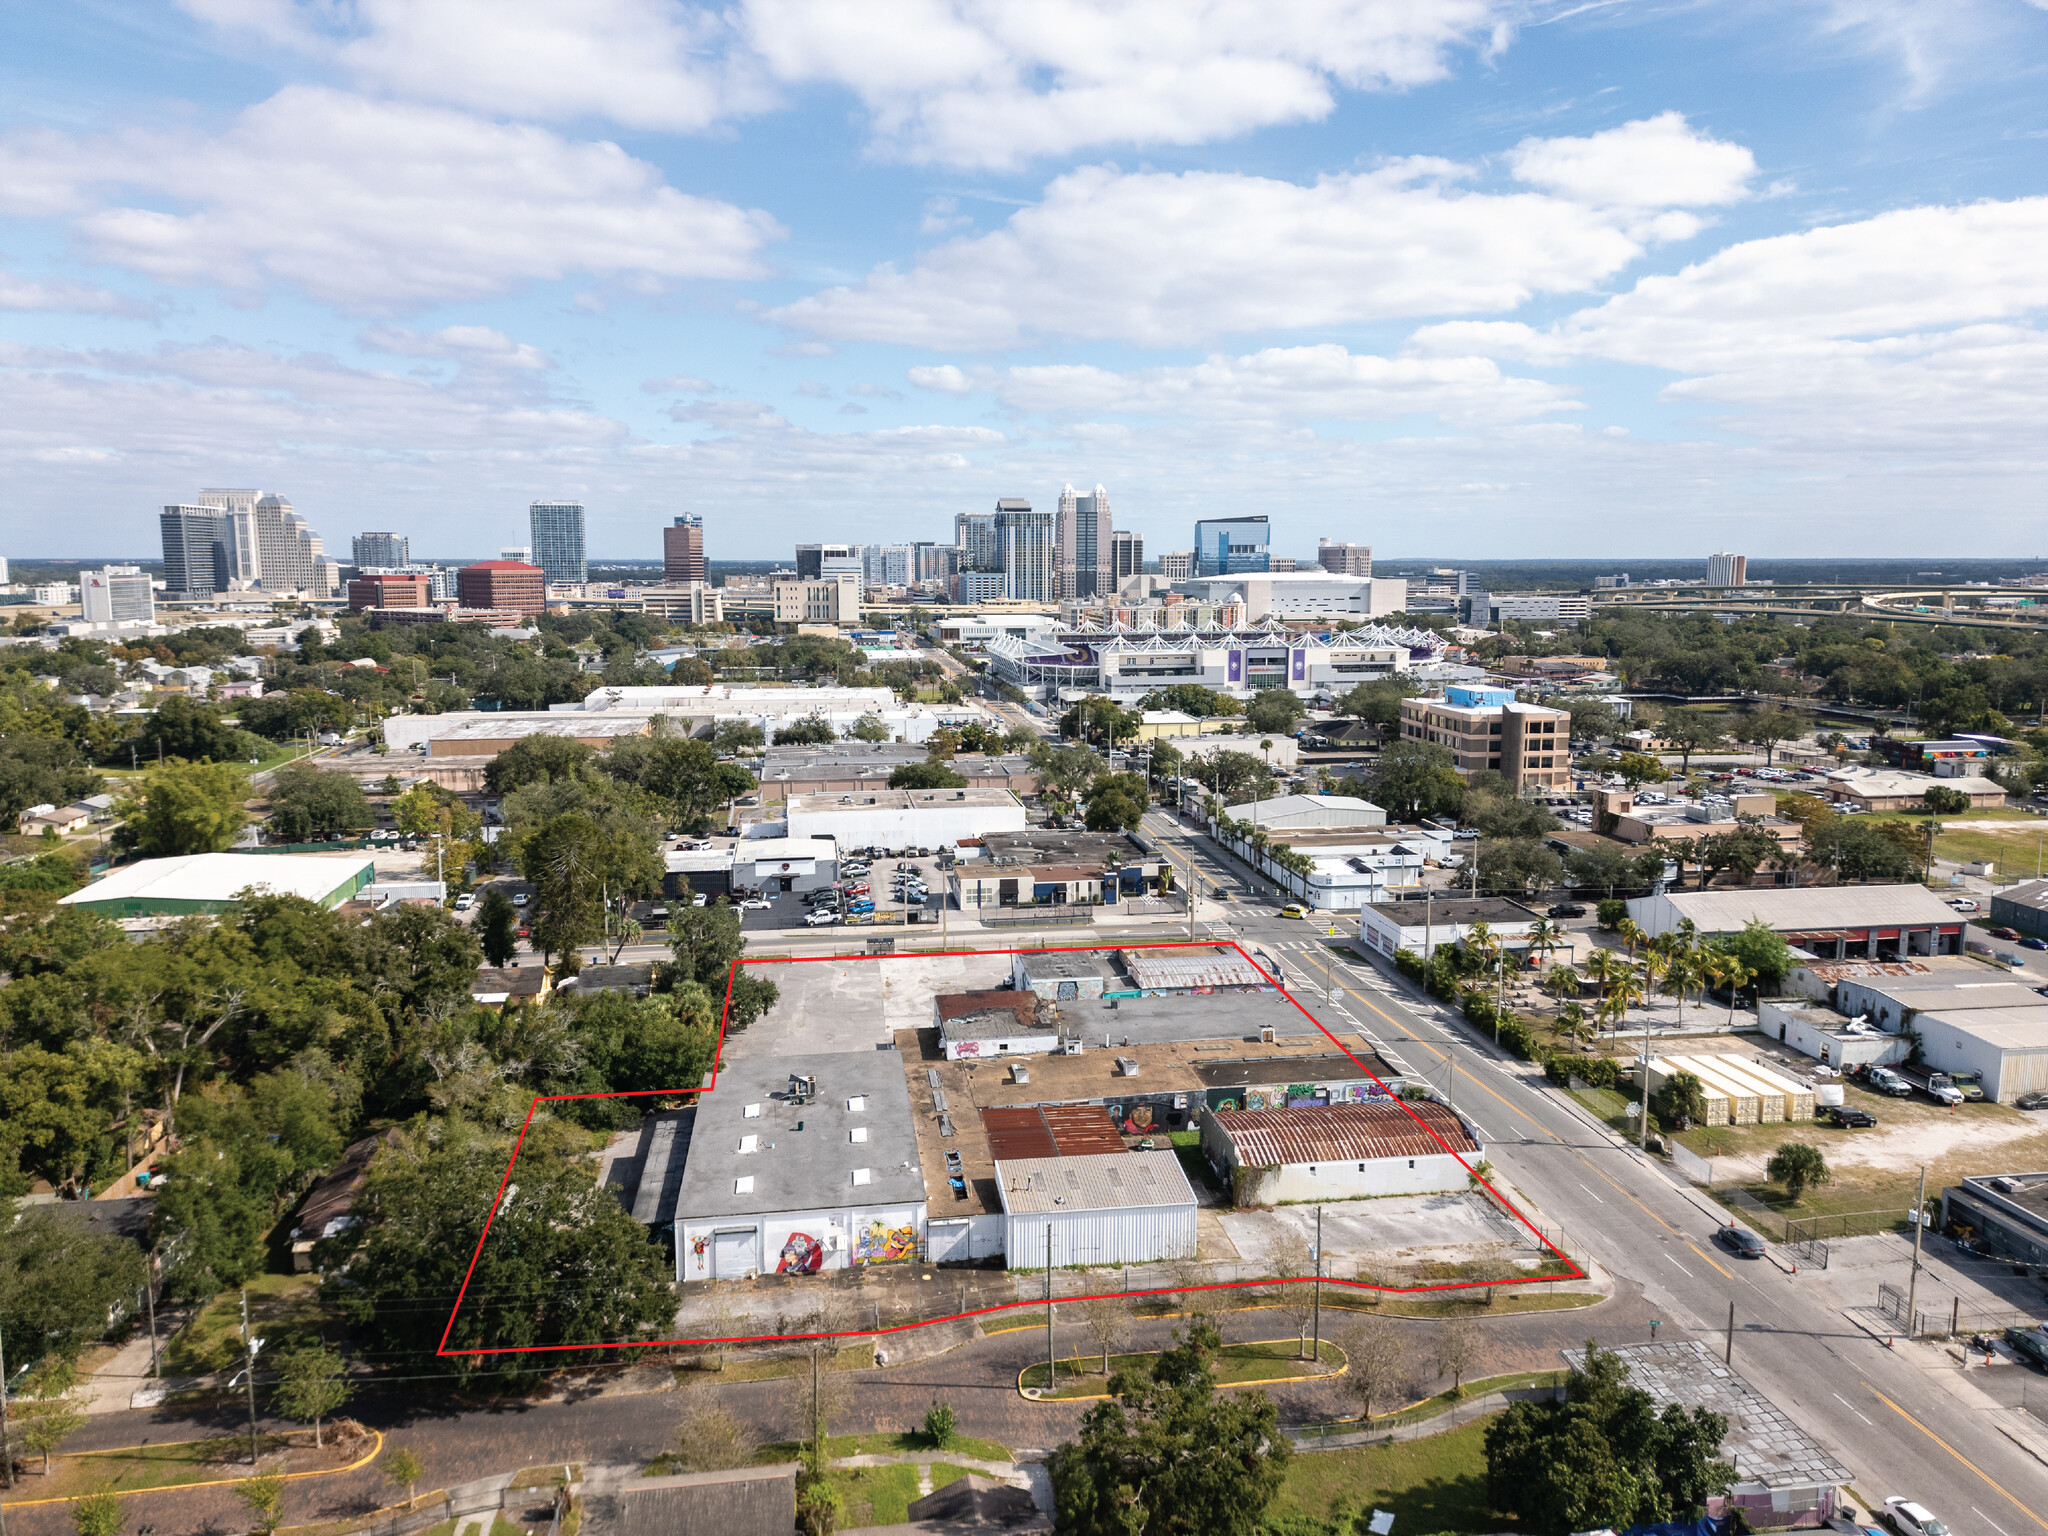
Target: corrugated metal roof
1267,1138
1127,1181
1051,1131
1805,907
1152,969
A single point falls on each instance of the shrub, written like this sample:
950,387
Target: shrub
1611,911
1599,1071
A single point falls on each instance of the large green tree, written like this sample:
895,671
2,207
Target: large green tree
926,775
194,732
1117,802
581,867
565,1263
1274,711
1414,779
706,941
1169,1456
308,803
1603,1455
59,1283
1377,703
190,808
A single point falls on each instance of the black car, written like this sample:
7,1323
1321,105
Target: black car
1566,909
1740,1241
1850,1118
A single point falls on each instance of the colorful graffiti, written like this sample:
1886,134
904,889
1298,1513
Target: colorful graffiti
1139,1120
698,1244
802,1254
880,1244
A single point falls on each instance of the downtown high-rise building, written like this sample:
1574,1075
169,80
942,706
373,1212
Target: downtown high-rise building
1344,559
1126,555
682,549
886,565
1726,570
116,594
195,559
380,551
1230,546
1082,543
980,544
825,562
558,541
1026,542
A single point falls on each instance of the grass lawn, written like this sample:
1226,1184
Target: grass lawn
1606,1105
1271,1360
165,1465
2016,848
1434,1484
874,1495
943,1473
848,1357
904,1443
1525,1299
281,1307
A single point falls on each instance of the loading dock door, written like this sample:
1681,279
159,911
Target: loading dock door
732,1254
947,1242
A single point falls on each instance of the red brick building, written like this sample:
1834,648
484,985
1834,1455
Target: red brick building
388,591
505,584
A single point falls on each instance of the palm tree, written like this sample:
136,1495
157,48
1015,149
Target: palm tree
1544,937
1563,981
1734,975
1571,1021
1682,973
1630,934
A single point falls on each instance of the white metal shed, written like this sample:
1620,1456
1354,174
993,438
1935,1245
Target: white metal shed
1102,1208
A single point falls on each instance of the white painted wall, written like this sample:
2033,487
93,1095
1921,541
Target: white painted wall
840,1238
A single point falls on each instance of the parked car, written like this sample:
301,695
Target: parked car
2030,1342
1910,1519
2030,942
1884,1080
1998,931
820,919
520,898
464,902
754,903
2031,1101
1566,909
1963,904
1849,1118
1740,1241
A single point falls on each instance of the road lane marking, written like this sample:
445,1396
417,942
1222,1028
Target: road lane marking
1680,1267
1853,1409
1987,1520
1959,1456
1696,1248
1596,1199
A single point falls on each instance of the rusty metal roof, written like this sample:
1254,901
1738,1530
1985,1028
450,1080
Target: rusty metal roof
1334,1133
1052,1130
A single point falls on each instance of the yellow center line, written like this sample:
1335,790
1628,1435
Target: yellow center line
1959,1456
1696,1248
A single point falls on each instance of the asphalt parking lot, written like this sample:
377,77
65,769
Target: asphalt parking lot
789,911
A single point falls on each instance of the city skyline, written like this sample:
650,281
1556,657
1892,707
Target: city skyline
1741,276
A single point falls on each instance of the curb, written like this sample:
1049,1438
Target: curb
1029,1393
219,1482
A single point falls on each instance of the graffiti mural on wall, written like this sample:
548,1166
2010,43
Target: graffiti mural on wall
881,1244
802,1254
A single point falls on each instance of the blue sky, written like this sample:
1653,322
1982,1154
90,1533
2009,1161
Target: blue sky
1464,278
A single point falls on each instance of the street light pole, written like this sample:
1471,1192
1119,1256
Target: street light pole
1318,1309
1919,1226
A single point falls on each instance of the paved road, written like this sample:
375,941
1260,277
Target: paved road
1903,1420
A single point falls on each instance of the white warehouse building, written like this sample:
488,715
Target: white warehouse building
1341,1151
899,818
801,1164
1098,1208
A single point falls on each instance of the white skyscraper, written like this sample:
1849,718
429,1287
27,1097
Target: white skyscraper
558,541
1026,539
115,593
1726,570
1084,537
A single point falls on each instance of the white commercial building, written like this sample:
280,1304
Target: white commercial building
1226,660
1341,1151
1301,594
2006,1047
116,594
901,818
980,628
214,882
1099,1208
1834,922
798,1165
1307,812
1424,926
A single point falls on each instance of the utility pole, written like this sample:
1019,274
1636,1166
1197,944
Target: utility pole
1428,931
252,1343
1051,1369
1728,1343
1643,1129
156,1365
817,1424
1318,1306
1919,1226
6,1454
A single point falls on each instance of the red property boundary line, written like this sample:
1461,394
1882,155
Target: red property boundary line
1572,1271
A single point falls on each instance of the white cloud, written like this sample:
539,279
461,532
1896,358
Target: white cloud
1910,328
945,378
966,82
374,207
1324,382
476,345
1169,259
22,293
1659,162
680,384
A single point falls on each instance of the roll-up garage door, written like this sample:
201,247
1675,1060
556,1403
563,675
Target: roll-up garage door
732,1254
948,1242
